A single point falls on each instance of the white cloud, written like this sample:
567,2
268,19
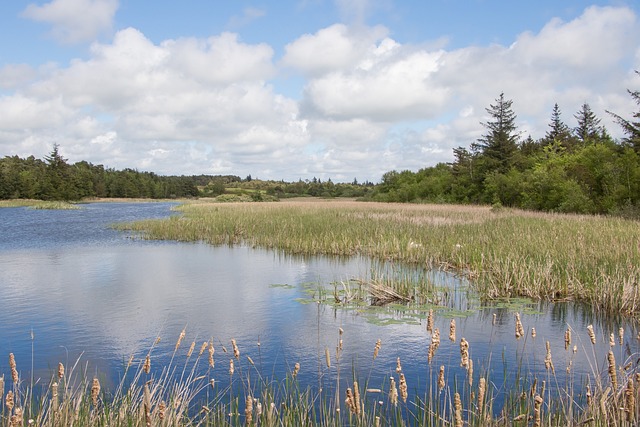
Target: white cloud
74,21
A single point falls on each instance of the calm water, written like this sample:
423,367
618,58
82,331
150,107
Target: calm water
85,289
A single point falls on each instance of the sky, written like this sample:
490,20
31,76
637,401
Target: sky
296,89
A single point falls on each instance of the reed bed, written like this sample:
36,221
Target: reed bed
225,387
505,252
38,204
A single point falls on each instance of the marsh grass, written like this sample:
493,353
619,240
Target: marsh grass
38,204
188,391
506,253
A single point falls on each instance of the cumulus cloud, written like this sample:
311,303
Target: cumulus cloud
370,103
74,21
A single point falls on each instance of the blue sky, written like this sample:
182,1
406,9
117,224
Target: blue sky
336,89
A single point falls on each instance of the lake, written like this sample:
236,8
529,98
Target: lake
72,288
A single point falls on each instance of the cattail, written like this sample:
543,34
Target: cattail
349,401
621,335
393,392
248,411
377,349
14,370
612,340
430,321
433,346
403,388
203,347
356,396
519,328
16,419
296,369
592,334
157,341
327,357
180,338
250,360
567,339
457,409
589,396
493,321
95,391
1,387
398,366
612,370
162,407
54,396
548,362
191,348
630,401
537,416
231,367
211,352
8,401
60,370
452,330
147,404
543,388
470,372
258,407
147,364
533,332
534,386
441,383
236,351
464,353
481,392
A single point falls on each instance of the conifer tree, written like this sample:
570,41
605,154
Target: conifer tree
588,128
631,128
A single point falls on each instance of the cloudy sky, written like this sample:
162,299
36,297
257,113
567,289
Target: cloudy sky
296,89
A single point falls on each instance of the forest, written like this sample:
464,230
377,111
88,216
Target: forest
580,169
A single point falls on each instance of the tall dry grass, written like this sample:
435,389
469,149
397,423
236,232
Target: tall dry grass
505,252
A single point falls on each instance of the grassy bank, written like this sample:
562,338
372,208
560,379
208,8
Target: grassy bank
220,384
37,204
506,252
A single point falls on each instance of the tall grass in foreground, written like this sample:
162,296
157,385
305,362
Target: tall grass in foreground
506,252
203,385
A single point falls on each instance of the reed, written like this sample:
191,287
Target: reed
165,397
505,252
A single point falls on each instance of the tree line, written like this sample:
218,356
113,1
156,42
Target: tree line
580,169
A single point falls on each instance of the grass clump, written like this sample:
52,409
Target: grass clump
506,252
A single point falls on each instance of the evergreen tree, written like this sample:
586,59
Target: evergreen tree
631,129
559,132
499,146
588,128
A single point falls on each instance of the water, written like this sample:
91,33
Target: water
85,290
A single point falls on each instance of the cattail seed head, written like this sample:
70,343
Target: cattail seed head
630,401
236,351
470,373
350,402
211,352
147,364
377,349
296,369
393,392
567,339
537,416
60,370
611,358
231,367
180,338
404,391
457,403
464,353
533,332
14,370
248,410
356,397
54,396
327,357
519,327
203,347
612,340
430,321
146,400
481,393
95,391
441,382
191,348
162,407
592,335
621,335
398,366
548,362
493,321
452,330
8,401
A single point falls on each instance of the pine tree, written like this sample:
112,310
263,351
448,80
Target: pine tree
630,128
499,146
559,132
588,128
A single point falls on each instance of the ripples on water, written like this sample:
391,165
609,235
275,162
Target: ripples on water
86,289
